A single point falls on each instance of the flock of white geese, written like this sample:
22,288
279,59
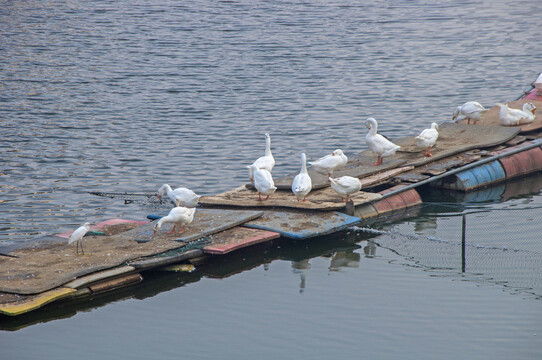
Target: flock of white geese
260,170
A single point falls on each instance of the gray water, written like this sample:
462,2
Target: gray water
125,96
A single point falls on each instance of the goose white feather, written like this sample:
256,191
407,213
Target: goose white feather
179,216
428,138
329,163
302,183
472,110
378,144
512,117
345,186
77,236
266,162
263,182
180,196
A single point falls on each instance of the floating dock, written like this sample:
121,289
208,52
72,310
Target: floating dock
119,252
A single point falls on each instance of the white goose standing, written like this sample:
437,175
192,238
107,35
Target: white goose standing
329,163
428,138
180,196
378,144
263,182
266,162
345,185
512,117
178,216
472,110
302,183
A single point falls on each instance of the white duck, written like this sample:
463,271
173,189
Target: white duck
266,162
302,183
378,144
180,196
77,236
428,138
178,216
263,182
329,163
345,185
472,110
511,117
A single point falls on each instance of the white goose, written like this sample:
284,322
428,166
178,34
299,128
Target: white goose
345,185
472,110
77,236
511,117
302,183
266,162
180,196
329,163
263,182
378,144
178,216
428,138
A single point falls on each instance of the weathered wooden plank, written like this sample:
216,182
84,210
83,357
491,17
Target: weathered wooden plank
358,166
454,139
102,275
412,177
116,283
303,225
164,261
237,238
323,199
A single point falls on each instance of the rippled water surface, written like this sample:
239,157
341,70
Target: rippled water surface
125,96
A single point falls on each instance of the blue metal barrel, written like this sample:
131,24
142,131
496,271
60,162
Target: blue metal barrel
471,179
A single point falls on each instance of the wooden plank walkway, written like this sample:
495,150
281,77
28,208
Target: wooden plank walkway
43,268
453,139
323,199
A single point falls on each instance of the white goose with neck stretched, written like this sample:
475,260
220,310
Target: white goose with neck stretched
302,183
266,162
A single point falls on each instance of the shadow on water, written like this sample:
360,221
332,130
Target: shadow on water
343,249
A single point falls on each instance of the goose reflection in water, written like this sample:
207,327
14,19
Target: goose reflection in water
301,267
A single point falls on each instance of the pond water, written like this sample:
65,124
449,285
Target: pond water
125,96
